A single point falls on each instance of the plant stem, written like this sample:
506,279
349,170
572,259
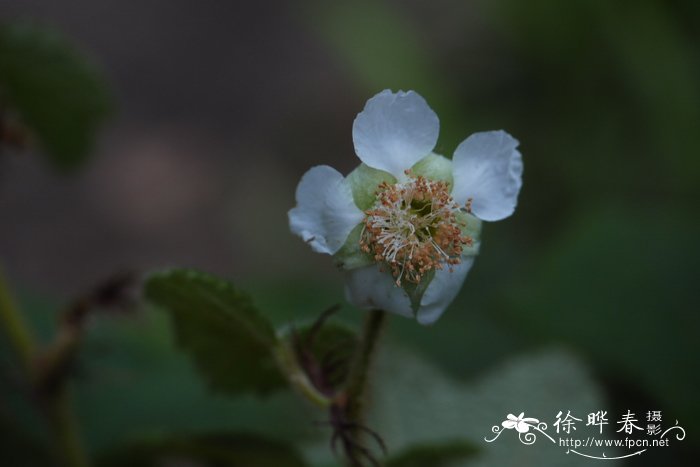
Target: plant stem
15,327
287,362
357,379
67,442
56,403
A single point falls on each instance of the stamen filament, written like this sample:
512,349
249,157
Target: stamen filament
413,228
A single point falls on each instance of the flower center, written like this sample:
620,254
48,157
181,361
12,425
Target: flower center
413,228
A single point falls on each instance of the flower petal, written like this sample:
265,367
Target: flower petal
442,290
509,424
488,170
394,131
325,213
372,289
522,427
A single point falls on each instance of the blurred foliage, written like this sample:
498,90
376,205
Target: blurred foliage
538,384
19,449
213,449
633,65
53,89
381,49
133,375
139,399
436,455
425,415
633,325
131,382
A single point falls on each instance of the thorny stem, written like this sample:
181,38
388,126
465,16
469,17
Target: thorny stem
357,379
56,404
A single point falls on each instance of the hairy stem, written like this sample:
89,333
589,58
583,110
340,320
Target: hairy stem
288,364
357,379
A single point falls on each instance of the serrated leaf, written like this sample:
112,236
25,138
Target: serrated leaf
54,89
439,454
219,450
230,342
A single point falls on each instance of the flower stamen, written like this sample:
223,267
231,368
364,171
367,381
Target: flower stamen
413,228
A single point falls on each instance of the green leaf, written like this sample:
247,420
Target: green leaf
230,342
140,382
54,89
205,450
439,454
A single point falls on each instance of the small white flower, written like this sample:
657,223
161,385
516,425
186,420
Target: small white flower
406,223
520,423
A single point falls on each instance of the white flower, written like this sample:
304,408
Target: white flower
520,423
406,223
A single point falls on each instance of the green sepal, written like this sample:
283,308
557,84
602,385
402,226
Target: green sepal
364,181
434,167
350,256
471,227
415,291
